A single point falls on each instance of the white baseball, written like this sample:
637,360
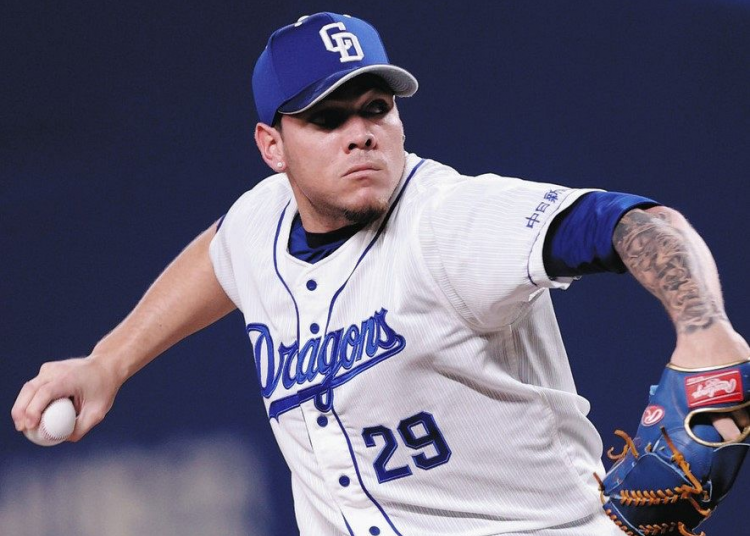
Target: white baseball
58,422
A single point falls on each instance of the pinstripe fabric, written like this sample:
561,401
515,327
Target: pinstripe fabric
439,400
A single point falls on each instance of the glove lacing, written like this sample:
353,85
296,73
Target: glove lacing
649,497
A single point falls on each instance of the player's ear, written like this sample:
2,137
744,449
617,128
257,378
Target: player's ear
270,145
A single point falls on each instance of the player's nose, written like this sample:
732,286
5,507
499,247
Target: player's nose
359,135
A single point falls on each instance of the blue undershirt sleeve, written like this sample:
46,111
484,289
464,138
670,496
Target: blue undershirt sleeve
579,240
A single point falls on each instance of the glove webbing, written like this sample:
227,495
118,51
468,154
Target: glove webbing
651,530
651,498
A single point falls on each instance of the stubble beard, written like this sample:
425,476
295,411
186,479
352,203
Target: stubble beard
365,215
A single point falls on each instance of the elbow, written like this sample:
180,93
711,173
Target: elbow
659,215
641,228
669,216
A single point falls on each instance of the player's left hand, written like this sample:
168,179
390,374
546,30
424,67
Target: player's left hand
731,426
688,450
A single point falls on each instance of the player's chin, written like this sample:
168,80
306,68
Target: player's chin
365,213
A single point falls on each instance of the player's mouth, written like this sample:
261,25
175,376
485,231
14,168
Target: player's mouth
361,171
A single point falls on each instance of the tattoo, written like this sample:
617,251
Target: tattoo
663,259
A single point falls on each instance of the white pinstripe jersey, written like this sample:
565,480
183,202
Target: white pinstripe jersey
415,379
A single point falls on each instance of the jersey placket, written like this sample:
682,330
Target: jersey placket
329,439
333,452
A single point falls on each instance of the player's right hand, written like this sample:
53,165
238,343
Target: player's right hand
91,386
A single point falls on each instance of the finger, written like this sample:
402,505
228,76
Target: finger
741,418
89,417
42,397
21,419
726,427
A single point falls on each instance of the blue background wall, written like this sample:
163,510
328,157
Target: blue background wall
126,128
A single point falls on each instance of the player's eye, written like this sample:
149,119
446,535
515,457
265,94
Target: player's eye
376,107
328,119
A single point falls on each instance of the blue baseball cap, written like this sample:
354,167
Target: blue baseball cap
306,61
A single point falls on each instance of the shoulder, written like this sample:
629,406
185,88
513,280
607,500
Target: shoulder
430,176
250,223
442,187
267,197
269,189
434,178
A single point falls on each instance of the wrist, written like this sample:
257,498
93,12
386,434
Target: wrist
117,360
718,345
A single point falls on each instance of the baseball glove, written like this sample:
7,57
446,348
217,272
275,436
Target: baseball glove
671,476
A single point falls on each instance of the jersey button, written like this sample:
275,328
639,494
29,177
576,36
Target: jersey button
374,531
344,481
312,284
322,421
314,328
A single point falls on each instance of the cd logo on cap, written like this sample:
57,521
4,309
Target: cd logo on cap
341,42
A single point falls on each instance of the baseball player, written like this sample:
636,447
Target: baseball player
398,312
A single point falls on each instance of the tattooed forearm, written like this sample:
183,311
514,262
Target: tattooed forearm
672,266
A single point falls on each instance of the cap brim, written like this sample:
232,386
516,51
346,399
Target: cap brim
401,82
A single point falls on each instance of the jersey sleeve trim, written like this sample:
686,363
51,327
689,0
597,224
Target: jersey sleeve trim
536,271
579,241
